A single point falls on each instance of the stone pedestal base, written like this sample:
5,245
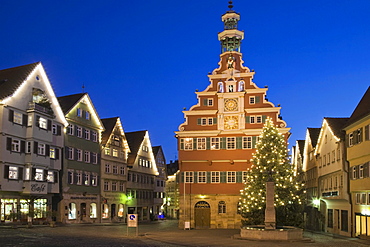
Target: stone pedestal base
260,233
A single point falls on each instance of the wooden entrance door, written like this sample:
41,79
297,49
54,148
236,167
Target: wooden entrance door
202,213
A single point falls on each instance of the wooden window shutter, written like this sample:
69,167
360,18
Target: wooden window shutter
9,143
49,124
258,99
239,177
214,120
11,115
264,117
208,143
56,177
238,142
347,140
205,102
59,130
25,120
70,174
35,147
223,177
367,133
194,143
57,153
208,177
33,174
66,149
20,173
6,171
23,146
37,121
366,170
248,119
223,143
195,177
47,150
254,141
199,121
355,137
361,138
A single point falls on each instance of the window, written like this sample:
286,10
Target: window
79,178
215,143
105,211
330,218
247,142
252,100
30,121
122,170
50,177
222,207
210,102
107,151
106,186
115,170
52,153
93,210
202,177
230,142
94,136
16,145
54,129
79,154
338,153
87,115
41,149
201,143
329,159
245,176
43,124
79,112
114,186
203,121
17,118
87,134
188,143
87,157
344,220
13,172
70,129
188,177
252,119
231,88
350,141
231,177
70,177
94,180
70,153
94,158
215,177
361,171
359,135
39,174
72,211
79,131
86,178
259,119
333,156
115,153
121,186
210,121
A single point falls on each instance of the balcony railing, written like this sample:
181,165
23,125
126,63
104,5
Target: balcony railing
37,107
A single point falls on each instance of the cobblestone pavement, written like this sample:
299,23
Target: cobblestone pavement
162,234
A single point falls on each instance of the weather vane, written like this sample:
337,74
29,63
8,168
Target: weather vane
230,5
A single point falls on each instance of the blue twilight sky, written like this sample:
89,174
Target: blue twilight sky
143,60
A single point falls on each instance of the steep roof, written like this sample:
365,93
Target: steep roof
156,150
314,135
109,124
12,78
67,102
134,140
362,109
336,125
300,146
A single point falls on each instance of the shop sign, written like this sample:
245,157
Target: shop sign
38,188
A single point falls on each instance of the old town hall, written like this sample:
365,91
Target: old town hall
217,140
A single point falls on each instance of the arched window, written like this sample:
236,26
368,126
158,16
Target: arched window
220,87
93,211
72,211
221,207
105,211
241,86
121,210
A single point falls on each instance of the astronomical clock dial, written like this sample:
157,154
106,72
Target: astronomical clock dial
231,104
231,122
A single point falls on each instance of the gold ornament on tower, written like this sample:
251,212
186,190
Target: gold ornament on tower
231,104
231,122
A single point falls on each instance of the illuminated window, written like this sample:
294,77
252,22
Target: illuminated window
247,142
72,211
39,174
13,172
115,153
52,153
86,178
50,177
230,142
41,149
201,143
188,177
94,179
17,118
231,177
215,177
121,209
222,207
43,123
202,177
215,143
105,211
188,143
93,210
107,151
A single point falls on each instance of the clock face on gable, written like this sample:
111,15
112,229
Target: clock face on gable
231,104
231,122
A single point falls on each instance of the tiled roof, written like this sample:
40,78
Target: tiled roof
314,135
109,124
12,78
300,146
336,125
68,101
134,140
362,109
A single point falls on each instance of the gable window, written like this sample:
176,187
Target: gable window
247,142
87,115
188,177
107,151
202,177
230,142
231,88
215,177
231,177
215,143
201,143
79,112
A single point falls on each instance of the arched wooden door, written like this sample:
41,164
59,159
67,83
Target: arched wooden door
202,215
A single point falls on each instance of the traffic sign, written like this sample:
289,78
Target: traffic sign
131,220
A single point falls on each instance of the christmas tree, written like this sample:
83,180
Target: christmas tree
271,163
